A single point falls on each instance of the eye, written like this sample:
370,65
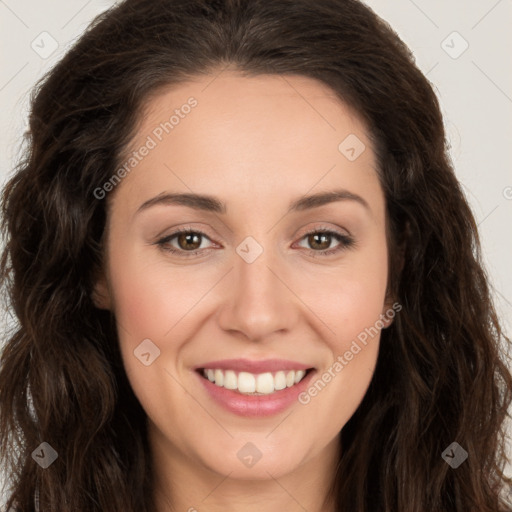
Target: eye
188,242
320,240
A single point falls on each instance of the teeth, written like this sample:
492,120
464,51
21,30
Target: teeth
219,377
248,383
265,383
230,380
279,381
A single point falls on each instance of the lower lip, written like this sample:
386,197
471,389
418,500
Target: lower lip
256,405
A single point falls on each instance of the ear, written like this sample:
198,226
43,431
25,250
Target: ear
391,305
389,312
101,293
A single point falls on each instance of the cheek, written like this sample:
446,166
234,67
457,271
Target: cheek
351,308
351,297
350,303
148,302
150,298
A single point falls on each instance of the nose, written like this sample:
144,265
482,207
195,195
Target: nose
260,301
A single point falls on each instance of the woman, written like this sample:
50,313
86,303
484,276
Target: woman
245,275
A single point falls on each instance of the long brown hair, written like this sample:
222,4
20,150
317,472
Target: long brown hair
441,375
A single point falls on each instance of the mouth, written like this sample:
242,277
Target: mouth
254,384
255,388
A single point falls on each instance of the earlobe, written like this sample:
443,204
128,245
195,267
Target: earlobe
101,294
388,314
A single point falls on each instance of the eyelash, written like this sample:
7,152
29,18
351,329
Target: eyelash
346,242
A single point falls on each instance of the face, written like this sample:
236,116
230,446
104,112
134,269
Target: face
263,282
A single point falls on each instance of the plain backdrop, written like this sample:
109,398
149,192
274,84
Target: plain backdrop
463,47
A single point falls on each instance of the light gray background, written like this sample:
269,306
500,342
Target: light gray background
474,89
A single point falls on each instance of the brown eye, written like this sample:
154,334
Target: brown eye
189,241
184,242
319,242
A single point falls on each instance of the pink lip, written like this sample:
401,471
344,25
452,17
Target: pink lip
246,365
255,405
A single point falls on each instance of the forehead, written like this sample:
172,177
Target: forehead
261,134
289,101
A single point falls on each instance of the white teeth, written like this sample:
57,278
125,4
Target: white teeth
279,381
230,380
248,383
219,377
265,383
299,375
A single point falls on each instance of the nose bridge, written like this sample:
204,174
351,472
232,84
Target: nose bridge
259,302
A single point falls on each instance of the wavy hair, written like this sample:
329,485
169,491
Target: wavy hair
441,374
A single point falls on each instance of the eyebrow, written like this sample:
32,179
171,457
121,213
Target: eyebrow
212,204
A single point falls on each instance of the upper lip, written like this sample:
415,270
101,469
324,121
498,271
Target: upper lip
251,366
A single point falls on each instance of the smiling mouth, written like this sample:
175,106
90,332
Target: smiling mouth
259,384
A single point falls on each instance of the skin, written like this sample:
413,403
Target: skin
255,143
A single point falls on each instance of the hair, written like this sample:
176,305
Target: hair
441,374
